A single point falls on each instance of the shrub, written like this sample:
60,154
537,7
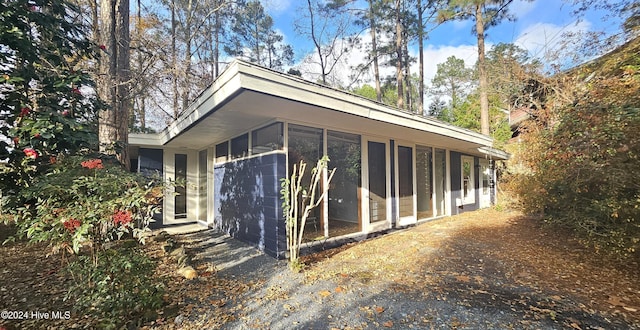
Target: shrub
581,170
118,288
85,202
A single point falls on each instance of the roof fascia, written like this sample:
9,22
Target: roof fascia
226,85
263,80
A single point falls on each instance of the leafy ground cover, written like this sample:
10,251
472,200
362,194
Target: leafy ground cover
484,269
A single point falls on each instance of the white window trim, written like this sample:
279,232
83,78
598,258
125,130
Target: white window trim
471,197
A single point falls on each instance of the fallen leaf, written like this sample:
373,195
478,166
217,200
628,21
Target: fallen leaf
615,301
379,309
339,289
630,309
388,324
325,293
463,278
575,326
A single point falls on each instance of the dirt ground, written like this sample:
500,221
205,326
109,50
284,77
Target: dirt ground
480,270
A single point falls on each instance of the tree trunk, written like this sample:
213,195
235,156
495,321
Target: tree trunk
142,109
399,66
114,86
482,73
421,59
174,62
374,51
316,42
407,67
188,52
95,27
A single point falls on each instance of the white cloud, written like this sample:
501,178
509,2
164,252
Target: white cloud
276,6
522,8
433,55
546,40
439,54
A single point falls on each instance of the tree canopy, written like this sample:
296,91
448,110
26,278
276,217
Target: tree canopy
47,107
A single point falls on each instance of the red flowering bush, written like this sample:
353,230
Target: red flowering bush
122,218
111,202
30,153
43,109
71,225
92,164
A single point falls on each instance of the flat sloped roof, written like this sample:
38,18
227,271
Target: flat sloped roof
246,95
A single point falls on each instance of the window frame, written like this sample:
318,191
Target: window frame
471,195
277,145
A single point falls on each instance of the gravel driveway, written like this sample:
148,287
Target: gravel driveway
437,279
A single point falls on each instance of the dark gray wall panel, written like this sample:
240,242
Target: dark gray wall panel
247,201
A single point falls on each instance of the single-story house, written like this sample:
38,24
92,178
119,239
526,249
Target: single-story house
242,135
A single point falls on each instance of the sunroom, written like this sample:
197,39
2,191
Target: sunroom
243,134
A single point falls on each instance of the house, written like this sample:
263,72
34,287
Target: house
242,135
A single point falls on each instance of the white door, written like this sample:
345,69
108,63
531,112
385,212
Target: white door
485,179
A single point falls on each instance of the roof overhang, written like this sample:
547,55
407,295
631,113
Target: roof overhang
246,96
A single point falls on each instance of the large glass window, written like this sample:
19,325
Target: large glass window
267,139
151,161
405,180
305,143
424,180
222,152
468,192
240,146
344,190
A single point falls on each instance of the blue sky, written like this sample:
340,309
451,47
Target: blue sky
538,28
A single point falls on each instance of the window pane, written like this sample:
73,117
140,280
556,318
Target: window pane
181,179
305,143
222,152
240,146
468,181
405,180
440,184
377,181
344,190
151,161
267,139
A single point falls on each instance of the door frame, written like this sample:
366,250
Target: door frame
367,225
413,218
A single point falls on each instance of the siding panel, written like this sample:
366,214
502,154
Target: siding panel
247,201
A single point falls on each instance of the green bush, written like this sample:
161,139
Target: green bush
118,288
86,202
580,168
